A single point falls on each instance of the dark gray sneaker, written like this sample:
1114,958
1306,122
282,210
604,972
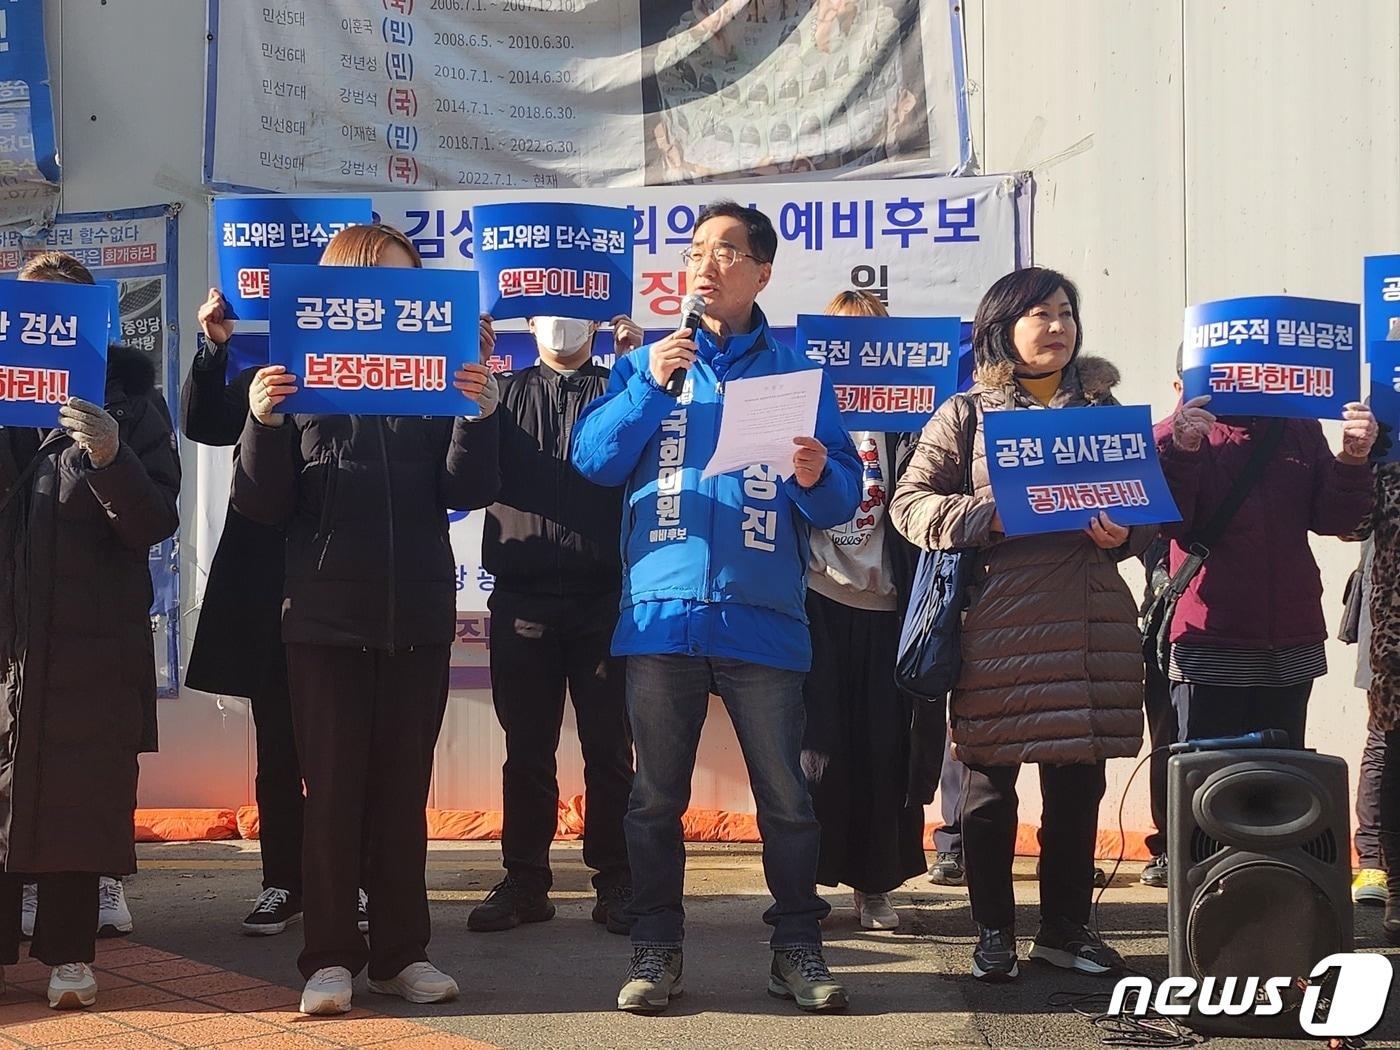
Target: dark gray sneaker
1155,874
610,909
508,905
994,957
653,980
947,870
1074,947
800,974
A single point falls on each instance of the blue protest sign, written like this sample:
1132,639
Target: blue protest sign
245,350
1384,359
558,260
253,233
374,341
1273,355
1381,303
889,373
53,346
1053,470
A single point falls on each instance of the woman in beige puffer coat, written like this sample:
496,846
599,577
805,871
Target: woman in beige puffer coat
1052,663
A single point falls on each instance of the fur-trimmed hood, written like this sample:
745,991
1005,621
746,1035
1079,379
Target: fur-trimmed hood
1096,376
130,373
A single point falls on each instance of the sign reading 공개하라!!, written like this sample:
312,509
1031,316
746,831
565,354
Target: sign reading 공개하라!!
889,373
374,341
53,346
1273,355
1054,470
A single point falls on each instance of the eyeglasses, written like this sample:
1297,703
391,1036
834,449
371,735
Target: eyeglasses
724,255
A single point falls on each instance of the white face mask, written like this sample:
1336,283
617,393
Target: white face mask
562,336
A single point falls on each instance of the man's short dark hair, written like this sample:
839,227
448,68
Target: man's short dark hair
763,239
1180,353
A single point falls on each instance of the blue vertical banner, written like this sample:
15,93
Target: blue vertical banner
889,373
253,233
374,341
29,171
558,260
1054,470
1273,355
53,346
1381,304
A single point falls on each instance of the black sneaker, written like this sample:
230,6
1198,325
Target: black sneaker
947,870
1155,874
653,980
274,910
1074,947
994,957
362,915
508,905
611,909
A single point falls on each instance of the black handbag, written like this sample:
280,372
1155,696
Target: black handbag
1161,608
930,651
1349,630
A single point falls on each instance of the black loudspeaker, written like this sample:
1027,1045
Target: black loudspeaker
1259,855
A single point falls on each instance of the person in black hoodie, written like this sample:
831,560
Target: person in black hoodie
368,618
551,540
81,504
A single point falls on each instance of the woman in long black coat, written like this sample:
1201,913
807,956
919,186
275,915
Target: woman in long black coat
238,644
80,507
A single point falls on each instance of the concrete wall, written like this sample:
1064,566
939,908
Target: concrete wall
1182,151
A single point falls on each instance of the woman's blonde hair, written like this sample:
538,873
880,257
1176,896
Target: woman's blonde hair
852,303
55,266
364,246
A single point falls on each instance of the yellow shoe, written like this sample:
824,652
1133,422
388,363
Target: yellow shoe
1368,887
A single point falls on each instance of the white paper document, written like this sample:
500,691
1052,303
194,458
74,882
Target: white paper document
761,416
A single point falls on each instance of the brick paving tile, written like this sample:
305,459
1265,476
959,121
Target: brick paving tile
210,1031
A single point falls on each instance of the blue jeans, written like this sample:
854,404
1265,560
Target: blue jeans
667,698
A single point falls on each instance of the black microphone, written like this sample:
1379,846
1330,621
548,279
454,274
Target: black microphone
1275,738
693,307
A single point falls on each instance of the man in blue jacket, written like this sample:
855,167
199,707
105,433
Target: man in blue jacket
713,597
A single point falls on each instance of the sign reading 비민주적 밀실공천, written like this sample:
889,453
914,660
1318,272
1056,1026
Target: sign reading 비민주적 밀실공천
360,95
1053,470
554,259
53,346
889,373
253,233
374,341
1273,355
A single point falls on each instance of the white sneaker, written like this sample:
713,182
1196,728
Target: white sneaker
113,916
72,987
28,909
419,982
874,911
327,992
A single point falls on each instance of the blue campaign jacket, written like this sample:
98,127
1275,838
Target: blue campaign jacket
713,567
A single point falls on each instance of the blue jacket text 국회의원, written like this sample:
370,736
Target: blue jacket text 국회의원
712,567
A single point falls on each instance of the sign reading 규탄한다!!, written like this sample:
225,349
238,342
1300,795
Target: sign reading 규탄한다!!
1053,471
1273,355
374,341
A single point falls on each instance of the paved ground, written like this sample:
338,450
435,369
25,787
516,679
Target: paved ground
187,978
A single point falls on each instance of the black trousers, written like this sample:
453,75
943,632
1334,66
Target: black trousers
281,804
366,723
855,750
1162,729
1222,710
1068,833
65,924
1368,800
541,646
1388,809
